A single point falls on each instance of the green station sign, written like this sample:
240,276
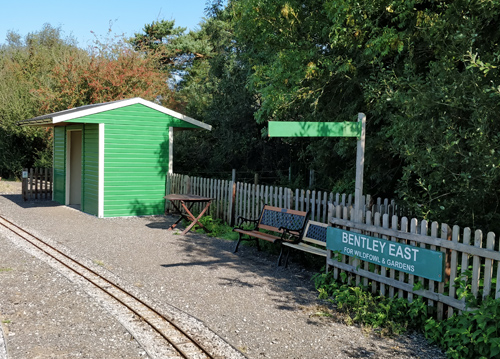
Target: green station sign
314,129
402,257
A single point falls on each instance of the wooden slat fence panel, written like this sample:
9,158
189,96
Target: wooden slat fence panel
381,218
488,266
37,184
456,249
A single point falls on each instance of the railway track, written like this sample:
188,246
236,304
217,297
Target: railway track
179,344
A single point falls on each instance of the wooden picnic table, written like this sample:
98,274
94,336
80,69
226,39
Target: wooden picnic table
187,202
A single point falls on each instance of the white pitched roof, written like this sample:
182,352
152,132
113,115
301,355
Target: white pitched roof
61,116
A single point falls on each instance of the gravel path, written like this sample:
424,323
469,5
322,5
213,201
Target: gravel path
263,311
43,316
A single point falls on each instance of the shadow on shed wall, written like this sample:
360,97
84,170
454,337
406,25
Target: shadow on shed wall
145,207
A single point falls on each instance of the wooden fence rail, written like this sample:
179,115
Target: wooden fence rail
466,259
232,200
37,184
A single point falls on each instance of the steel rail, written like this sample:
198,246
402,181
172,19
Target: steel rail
159,331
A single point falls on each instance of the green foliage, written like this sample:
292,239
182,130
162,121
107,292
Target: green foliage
426,75
110,71
24,63
216,227
442,109
389,316
43,73
472,334
211,87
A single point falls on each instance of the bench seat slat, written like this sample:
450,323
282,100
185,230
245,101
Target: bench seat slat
313,241
306,248
254,233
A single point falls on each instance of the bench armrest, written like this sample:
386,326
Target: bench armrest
291,236
240,220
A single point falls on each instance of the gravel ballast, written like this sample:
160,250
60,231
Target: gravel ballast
261,310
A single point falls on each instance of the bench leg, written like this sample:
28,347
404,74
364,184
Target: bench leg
279,257
237,243
283,250
286,258
240,238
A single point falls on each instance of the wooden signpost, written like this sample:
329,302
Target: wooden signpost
331,129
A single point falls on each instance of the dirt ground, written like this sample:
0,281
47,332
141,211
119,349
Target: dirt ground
10,187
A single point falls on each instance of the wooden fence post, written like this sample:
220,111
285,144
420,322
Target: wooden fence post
30,183
360,161
311,179
187,184
25,184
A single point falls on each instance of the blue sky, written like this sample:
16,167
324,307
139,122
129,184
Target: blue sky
79,18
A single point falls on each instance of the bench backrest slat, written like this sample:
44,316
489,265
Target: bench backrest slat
272,218
315,232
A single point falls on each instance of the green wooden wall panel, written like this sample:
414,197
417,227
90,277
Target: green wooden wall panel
135,160
90,170
136,208
59,185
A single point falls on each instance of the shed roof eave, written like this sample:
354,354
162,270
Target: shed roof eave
175,114
37,122
87,110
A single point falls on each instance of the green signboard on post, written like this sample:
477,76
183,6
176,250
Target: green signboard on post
314,129
402,257
330,129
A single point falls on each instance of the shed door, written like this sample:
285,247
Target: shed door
75,170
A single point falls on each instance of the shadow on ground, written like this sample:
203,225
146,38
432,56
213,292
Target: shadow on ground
18,200
287,285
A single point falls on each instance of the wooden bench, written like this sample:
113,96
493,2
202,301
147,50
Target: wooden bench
313,241
286,224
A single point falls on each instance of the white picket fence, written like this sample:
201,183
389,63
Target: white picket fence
232,200
465,257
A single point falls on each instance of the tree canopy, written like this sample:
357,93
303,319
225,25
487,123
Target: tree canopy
424,72
44,73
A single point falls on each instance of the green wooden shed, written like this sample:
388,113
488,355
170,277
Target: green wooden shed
111,159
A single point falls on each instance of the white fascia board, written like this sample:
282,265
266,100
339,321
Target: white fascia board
170,150
177,115
93,110
100,178
123,103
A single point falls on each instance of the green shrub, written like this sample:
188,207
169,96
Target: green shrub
391,316
471,334
216,227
